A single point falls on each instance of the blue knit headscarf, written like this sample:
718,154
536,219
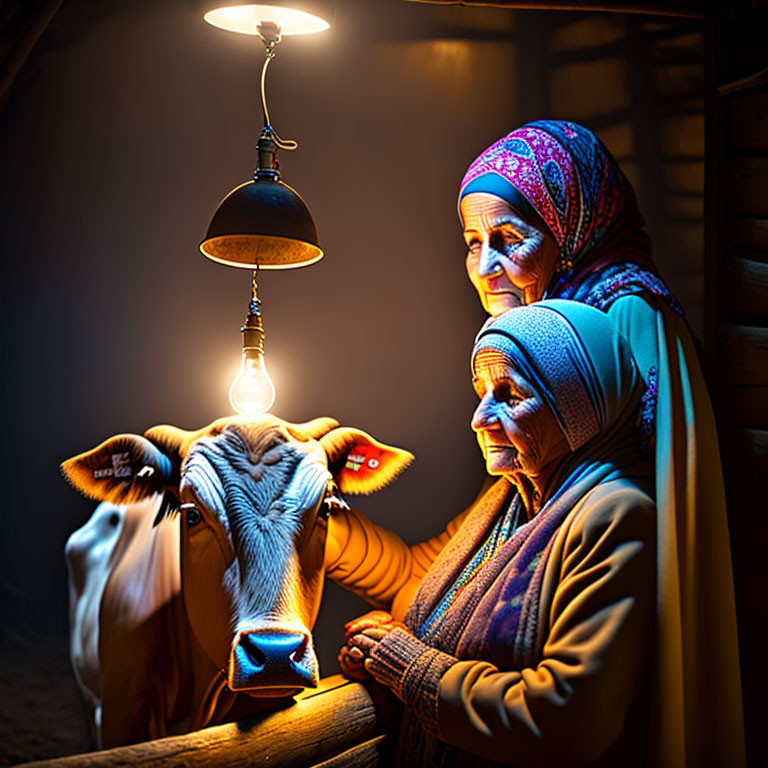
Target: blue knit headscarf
575,358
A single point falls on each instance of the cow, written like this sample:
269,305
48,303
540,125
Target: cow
196,582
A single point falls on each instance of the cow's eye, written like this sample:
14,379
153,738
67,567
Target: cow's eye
192,514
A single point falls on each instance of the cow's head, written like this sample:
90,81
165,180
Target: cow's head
252,498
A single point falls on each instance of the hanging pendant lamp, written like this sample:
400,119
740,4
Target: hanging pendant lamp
265,223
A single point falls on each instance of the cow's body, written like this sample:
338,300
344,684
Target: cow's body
89,553
206,614
130,636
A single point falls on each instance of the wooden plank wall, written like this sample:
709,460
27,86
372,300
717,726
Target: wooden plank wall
742,251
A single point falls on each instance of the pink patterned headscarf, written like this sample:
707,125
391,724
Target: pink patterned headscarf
571,180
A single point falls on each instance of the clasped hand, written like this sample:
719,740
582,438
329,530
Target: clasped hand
363,635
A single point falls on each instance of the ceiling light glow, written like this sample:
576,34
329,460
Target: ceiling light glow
248,18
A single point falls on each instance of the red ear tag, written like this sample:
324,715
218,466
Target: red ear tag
363,460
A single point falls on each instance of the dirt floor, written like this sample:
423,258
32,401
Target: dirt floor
41,715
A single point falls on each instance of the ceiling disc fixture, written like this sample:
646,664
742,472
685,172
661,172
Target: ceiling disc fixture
296,17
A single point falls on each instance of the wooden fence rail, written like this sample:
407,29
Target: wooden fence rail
340,725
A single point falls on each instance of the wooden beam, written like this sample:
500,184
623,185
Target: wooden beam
748,528
756,80
746,455
746,406
749,123
751,599
744,355
749,232
695,9
746,179
16,49
747,287
321,726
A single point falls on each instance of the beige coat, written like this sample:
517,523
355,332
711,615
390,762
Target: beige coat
584,701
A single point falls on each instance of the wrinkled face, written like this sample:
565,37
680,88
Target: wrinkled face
517,431
510,260
253,538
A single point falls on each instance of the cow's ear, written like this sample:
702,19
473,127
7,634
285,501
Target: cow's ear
359,463
123,469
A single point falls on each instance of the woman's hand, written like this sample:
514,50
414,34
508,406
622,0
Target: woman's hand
363,635
350,666
368,620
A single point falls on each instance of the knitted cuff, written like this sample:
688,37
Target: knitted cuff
391,658
413,670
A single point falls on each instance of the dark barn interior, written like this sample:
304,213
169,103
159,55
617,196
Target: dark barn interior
122,125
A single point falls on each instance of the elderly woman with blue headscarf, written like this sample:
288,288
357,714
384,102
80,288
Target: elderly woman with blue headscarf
530,639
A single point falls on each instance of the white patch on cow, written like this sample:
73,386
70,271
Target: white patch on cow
261,505
87,552
285,515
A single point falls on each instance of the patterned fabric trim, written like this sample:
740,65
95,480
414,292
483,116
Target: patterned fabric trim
413,671
602,288
501,533
646,418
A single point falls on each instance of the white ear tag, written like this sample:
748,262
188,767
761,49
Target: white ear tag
121,467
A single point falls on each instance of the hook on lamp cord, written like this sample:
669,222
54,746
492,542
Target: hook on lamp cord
271,35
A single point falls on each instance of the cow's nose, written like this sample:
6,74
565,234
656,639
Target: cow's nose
273,659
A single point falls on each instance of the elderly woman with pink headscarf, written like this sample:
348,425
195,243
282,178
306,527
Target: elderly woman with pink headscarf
547,213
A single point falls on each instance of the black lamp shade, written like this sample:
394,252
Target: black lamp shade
263,222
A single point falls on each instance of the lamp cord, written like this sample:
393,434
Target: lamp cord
254,305
287,144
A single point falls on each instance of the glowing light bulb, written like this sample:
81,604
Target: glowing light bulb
252,392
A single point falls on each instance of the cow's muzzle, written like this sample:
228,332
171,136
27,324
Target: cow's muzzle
272,662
